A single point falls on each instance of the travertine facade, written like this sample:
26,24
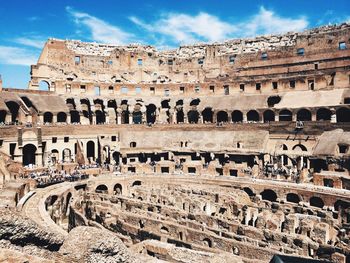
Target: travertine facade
239,148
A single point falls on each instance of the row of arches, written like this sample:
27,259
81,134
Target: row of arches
117,188
193,116
271,195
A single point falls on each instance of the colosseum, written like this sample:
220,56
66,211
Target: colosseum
225,152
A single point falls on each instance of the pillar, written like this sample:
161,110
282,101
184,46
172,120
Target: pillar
130,118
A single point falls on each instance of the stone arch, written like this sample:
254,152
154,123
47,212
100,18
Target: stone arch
222,116
66,155
269,195
180,116
269,116
323,114
44,85
61,117
253,115
14,108
29,152
164,229
55,156
237,116
193,116
137,117
292,197
207,114
249,191
343,114
285,115
48,117
195,102
151,113
316,202
299,147
303,115
118,189
207,242
100,117
102,188
136,183
3,114
74,116
90,149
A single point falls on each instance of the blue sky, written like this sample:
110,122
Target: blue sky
25,25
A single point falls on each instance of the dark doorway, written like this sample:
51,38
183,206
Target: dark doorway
29,151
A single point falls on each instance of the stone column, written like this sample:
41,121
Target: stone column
130,117
244,116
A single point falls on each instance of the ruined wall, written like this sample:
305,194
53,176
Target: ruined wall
266,64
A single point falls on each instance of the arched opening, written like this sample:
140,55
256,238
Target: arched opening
112,104
48,117
3,114
136,183
207,242
74,116
273,100
193,116
118,189
222,116
248,191
71,102
14,108
304,115
164,230
125,117
44,85
180,116
137,117
151,113
269,195
90,149
61,117
100,117
269,116
207,114
54,156
116,156
103,189
285,115
323,114
132,144
253,115
195,102
29,151
85,106
299,147
237,116
66,155
343,115
316,202
294,198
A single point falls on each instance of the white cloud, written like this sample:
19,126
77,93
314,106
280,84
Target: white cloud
17,56
267,22
101,31
184,29
30,42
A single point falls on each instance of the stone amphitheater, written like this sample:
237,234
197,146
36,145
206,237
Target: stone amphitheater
223,152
